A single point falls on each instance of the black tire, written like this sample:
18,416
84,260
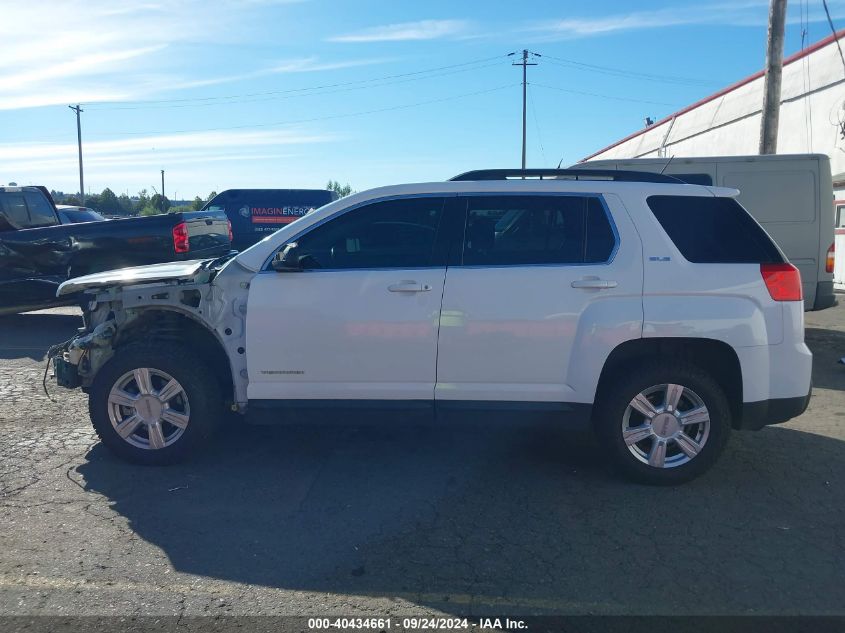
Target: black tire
200,387
612,402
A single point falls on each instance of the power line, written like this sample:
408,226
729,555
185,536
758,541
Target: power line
833,30
532,101
314,119
806,78
295,93
620,72
604,96
311,88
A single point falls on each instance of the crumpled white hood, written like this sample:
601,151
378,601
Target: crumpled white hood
135,275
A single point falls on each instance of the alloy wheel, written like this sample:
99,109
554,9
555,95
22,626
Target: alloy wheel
666,426
148,408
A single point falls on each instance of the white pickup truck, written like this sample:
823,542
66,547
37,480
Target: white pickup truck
656,312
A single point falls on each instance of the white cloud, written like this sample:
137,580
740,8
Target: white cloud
78,65
407,31
303,65
134,161
739,13
587,26
44,96
160,143
63,51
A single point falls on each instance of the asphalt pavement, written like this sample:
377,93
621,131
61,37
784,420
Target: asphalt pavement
399,520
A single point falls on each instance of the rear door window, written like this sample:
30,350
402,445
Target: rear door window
713,230
531,230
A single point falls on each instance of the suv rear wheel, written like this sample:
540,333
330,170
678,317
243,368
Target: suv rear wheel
663,423
152,404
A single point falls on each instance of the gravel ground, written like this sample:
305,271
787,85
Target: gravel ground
396,521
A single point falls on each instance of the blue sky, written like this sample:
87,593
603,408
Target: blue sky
285,93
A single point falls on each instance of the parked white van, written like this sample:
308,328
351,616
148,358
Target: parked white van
839,267
790,195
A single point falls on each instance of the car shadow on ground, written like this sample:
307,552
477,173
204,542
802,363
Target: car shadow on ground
828,346
501,520
30,335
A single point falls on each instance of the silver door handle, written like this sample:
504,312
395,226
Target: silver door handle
409,286
594,283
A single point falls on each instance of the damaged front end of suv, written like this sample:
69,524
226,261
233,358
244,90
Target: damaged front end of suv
199,305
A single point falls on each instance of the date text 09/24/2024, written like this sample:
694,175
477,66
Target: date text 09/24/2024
416,623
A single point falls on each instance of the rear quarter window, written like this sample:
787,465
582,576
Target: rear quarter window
713,230
13,207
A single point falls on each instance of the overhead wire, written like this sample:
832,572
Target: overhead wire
536,123
840,124
385,80
321,118
294,94
833,31
603,96
620,72
382,81
804,8
311,88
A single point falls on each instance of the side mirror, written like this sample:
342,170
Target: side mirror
287,260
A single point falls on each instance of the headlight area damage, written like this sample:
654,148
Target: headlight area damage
201,304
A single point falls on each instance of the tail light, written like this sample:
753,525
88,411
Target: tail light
828,263
229,222
783,281
180,238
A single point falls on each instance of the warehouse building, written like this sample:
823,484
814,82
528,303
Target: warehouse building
727,123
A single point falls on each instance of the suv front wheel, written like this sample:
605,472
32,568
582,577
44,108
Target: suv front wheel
663,423
152,404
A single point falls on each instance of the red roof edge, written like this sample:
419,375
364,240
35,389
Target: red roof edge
792,58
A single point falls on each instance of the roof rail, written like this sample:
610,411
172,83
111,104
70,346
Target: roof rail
568,174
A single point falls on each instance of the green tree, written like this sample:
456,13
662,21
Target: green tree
149,209
340,190
109,204
143,199
160,202
126,206
70,200
197,204
92,201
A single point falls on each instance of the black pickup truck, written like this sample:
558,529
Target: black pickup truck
37,252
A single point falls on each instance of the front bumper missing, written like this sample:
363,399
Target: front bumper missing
80,353
67,374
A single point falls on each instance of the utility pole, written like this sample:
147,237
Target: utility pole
525,64
162,192
772,81
78,110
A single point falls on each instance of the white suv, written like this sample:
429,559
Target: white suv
656,312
